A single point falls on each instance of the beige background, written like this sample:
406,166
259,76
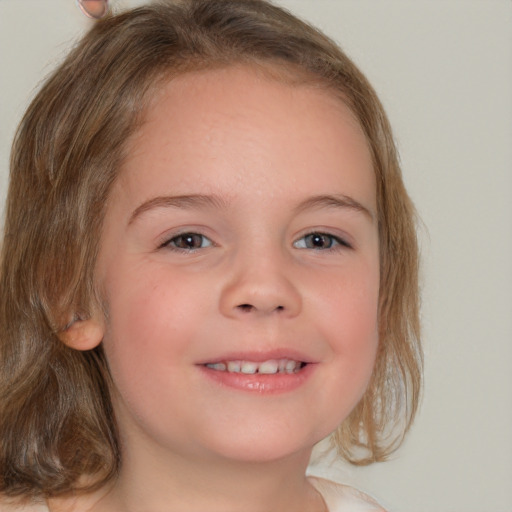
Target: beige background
443,69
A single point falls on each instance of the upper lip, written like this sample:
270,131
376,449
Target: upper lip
259,356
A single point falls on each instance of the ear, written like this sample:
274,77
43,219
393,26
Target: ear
83,334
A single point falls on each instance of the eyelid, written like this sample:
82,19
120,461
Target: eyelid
341,242
164,242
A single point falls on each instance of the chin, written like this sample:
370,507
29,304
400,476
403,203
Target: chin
259,445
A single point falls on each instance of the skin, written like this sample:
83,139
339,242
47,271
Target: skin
252,281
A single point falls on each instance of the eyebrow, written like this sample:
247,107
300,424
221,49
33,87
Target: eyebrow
185,201
200,201
335,201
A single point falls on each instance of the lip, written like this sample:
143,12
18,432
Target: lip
259,356
260,383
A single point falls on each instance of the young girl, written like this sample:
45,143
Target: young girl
209,265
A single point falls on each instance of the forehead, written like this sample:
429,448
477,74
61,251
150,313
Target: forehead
233,126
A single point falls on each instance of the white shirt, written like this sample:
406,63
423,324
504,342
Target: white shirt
343,498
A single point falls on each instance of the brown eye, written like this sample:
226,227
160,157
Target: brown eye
188,242
319,241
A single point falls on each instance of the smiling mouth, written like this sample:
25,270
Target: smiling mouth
270,367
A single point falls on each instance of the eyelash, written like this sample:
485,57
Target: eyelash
171,242
315,237
335,242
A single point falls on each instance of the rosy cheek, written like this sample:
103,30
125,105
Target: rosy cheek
148,315
353,326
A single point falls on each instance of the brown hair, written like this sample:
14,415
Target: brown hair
56,416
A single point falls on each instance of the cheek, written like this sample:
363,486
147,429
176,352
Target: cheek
155,302
348,305
347,313
359,329
145,342
354,341
149,321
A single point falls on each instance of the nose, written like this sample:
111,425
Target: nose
260,286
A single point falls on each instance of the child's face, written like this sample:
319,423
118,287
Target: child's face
242,228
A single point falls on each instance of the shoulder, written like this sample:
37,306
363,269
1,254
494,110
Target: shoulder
15,505
343,498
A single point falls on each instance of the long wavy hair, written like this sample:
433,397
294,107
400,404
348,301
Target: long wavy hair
56,417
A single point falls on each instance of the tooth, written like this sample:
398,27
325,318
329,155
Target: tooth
269,367
248,367
291,366
234,366
217,366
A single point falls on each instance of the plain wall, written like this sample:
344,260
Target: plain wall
443,69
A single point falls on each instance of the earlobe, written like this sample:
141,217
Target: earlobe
83,334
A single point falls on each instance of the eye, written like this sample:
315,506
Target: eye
188,242
319,241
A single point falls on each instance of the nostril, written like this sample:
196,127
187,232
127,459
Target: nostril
247,308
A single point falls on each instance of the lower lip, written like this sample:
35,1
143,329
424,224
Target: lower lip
260,382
